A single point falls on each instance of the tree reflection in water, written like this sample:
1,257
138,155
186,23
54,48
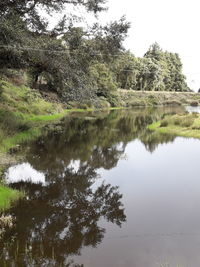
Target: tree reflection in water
62,216
58,219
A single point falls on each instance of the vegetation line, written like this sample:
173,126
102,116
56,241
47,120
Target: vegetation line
185,125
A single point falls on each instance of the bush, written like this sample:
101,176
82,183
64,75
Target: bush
187,122
102,103
177,121
183,120
172,103
90,104
76,105
114,99
153,101
164,123
83,106
194,103
136,103
72,105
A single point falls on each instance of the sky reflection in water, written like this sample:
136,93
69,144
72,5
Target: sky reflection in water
145,213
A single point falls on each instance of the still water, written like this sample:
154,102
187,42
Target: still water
102,190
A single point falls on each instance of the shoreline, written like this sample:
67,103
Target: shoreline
29,112
183,125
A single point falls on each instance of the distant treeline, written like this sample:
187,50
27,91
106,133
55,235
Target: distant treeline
77,62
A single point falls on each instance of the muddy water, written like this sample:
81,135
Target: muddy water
102,190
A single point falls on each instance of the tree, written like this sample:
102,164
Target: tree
108,39
102,80
171,78
150,76
60,59
126,69
154,52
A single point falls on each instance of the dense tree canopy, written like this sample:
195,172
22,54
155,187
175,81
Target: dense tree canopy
158,70
76,62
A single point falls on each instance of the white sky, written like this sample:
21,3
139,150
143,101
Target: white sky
174,24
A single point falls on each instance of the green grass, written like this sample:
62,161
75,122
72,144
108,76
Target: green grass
186,125
8,196
19,138
23,112
25,100
46,118
53,117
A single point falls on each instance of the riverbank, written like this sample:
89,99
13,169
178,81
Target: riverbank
24,113
185,125
130,98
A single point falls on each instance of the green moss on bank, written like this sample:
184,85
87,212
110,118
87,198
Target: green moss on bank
186,125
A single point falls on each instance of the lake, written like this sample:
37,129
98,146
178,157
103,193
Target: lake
103,190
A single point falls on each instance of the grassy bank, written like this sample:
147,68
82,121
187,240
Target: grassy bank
24,112
7,196
186,125
20,111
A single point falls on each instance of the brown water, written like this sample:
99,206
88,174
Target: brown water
102,190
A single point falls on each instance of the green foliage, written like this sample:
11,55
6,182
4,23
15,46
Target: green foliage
164,123
184,121
78,64
126,69
23,99
58,59
20,107
186,125
155,52
171,75
194,103
102,103
149,77
102,80
29,10
156,71
178,120
11,123
7,196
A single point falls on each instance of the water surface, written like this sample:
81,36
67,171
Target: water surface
102,190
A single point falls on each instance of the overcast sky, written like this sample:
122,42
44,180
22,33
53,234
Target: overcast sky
174,24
